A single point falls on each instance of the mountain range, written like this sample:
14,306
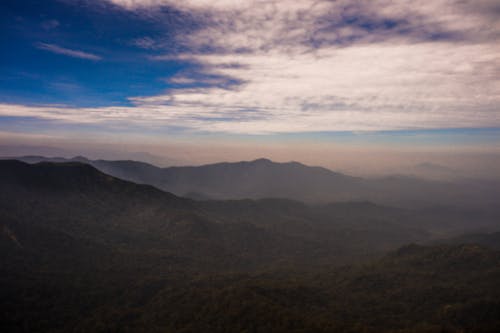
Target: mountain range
263,178
81,250
76,200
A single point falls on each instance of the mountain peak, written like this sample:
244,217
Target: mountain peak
47,174
80,158
262,161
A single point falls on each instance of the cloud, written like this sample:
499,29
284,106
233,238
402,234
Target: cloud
146,43
305,66
50,24
257,24
68,52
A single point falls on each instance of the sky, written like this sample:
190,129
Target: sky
335,83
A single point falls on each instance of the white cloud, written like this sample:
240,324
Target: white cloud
358,87
144,43
259,23
304,66
68,52
366,87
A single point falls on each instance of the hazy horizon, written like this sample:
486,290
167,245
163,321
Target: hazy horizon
438,165
366,88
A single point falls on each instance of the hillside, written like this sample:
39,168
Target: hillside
415,289
84,251
78,201
491,240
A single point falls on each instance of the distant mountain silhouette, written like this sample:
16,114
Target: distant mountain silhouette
78,201
263,178
435,171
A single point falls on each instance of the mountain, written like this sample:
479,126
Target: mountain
82,251
263,178
491,240
76,200
435,171
77,203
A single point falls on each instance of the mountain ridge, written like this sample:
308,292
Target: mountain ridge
263,178
96,253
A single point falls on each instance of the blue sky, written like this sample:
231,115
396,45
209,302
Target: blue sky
34,75
382,73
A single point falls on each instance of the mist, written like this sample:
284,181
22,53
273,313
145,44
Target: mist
441,163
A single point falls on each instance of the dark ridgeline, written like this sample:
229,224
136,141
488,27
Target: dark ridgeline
84,251
263,178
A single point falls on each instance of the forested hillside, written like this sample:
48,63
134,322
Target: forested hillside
83,251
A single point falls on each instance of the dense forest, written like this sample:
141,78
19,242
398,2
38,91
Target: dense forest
82,251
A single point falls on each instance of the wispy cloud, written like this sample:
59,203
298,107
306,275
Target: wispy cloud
146,43
313,65
254,24
342,65
50,24
68,52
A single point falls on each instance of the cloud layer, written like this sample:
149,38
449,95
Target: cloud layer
304,66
